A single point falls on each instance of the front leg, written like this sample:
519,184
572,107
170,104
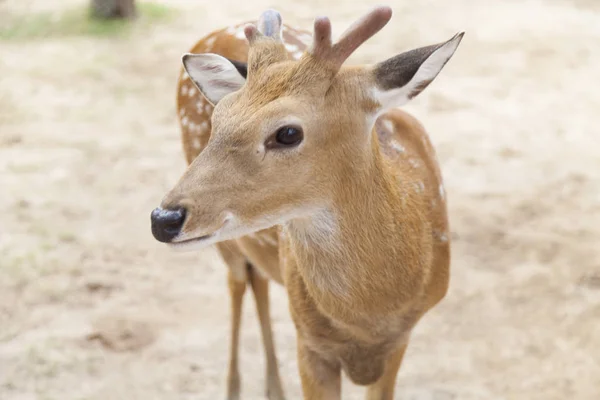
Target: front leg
237,279
260,287
237,288
383,389
321,379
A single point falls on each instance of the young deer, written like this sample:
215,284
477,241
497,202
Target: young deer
315,179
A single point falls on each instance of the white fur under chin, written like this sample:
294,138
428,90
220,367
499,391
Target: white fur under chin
317,229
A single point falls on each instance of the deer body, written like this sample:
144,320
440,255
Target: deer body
355,308
343,203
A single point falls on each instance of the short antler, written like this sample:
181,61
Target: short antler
351,39
269,25
321,46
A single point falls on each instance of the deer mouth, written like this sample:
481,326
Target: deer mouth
196,239
199,241
192,243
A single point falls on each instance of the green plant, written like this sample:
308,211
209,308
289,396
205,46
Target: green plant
79,22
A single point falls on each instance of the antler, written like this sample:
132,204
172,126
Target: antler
269,25
351,39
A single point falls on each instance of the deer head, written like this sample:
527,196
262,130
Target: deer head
286,136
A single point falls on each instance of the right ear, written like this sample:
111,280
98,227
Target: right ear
214,75
403,77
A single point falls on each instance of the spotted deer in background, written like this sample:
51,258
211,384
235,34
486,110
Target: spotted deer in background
309,175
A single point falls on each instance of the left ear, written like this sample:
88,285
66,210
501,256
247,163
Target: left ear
400,78
214,75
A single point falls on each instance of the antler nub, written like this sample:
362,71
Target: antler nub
268,25
251,32
322,37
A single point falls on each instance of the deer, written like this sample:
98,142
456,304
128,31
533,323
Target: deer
305,171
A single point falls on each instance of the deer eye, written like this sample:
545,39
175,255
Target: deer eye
286,136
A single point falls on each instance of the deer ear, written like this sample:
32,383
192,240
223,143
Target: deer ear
214,75
400,78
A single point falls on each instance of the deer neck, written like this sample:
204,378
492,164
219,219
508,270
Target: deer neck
356,247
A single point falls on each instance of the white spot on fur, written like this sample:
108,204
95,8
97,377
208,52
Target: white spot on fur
440,236
419,187
203,127
185,121
389,125
207,108
414,163
209,42
394,144
181,112
196,128
292,48
191,91
442,192
184,75
200,107
240,34
231,30
184,90
196,143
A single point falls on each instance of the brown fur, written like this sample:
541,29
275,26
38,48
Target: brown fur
356,294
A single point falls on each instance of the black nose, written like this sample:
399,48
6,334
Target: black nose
166,224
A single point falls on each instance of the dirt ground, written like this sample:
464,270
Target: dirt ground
92,307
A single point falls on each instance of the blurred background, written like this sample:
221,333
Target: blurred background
92,307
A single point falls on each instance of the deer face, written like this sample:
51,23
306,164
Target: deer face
288,134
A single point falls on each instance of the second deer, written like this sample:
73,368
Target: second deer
307,173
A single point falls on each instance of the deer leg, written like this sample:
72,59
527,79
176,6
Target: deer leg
321,379
237,279
236,292
383,389
260,288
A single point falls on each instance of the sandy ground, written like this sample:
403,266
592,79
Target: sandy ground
91,307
